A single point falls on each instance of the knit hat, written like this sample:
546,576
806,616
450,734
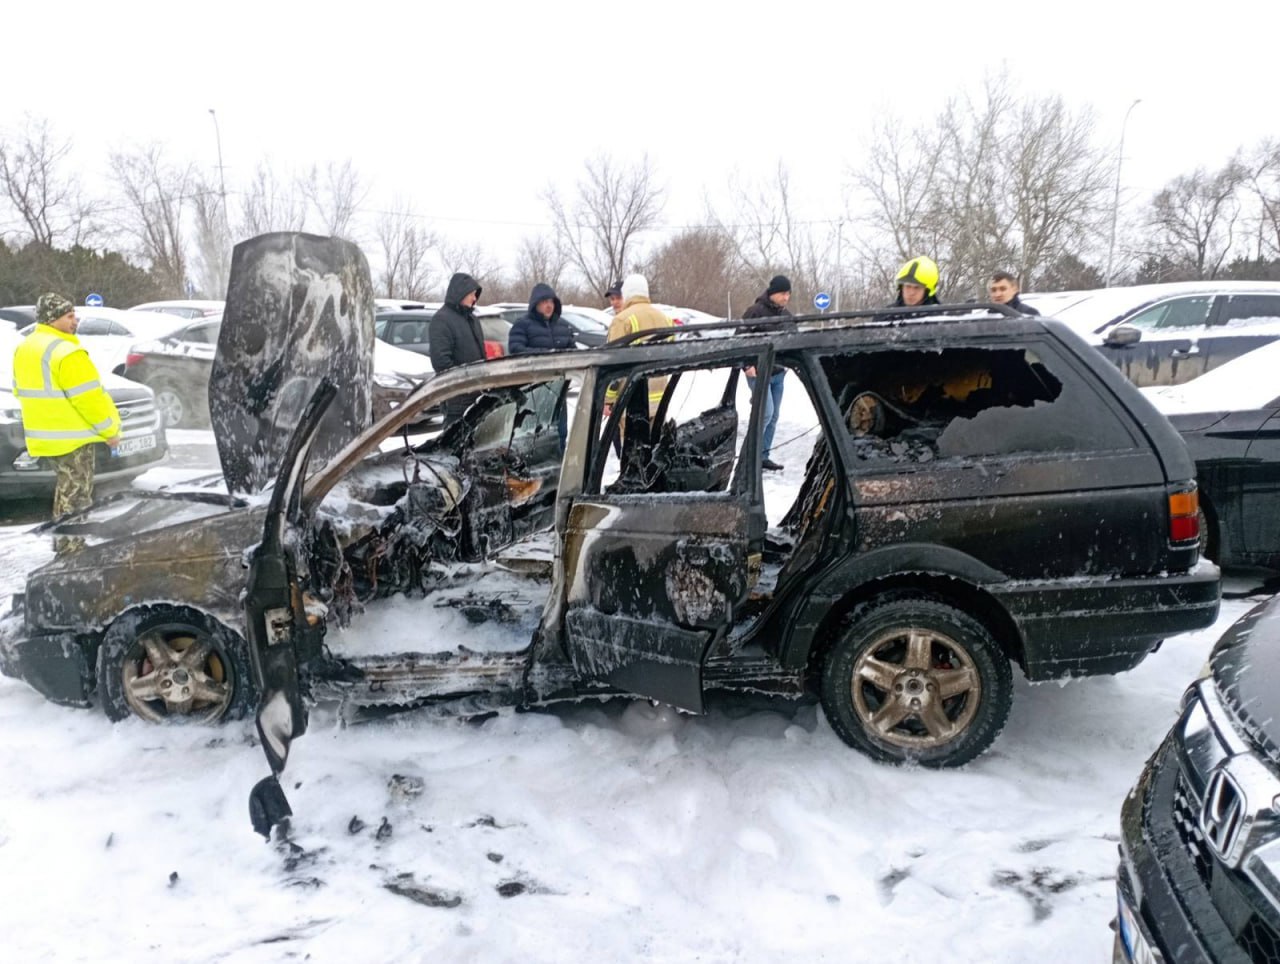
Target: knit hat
779,283
614,289
634,286
51,307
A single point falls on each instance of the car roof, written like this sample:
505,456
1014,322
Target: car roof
1096,309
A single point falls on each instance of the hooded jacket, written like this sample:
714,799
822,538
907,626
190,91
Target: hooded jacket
454,332
535,333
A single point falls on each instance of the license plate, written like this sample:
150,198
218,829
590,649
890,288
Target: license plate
1135,945
139,443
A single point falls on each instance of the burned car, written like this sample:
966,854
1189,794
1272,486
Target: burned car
982,491
1199,875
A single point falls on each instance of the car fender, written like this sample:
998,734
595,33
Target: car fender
843,579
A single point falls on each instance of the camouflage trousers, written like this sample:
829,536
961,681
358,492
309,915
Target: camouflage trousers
72,491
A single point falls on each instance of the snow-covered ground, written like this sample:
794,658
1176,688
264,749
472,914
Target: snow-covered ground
617,831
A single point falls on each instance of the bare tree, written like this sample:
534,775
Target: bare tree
269,204
600,226
476,260
540,259
997,181
335,194
212,261
1264,184
154,194
407,244
698,268
1195,216
49,205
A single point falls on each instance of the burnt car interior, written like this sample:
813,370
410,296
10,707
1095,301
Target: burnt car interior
403,516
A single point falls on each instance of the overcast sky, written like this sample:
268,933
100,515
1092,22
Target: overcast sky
471,109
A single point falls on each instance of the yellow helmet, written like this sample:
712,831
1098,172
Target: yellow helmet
919,271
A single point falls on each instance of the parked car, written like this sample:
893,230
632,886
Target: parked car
981,491
1199,874
142,443
184,309
1167,334
1230,420
590,327
177,368
108,333
20,315
410,328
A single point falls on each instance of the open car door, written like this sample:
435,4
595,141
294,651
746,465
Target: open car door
657,548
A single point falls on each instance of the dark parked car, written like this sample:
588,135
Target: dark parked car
1230,420
142,444
1199,876
981,491
410,329
1167,334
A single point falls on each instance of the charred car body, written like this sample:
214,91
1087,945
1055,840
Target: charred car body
1199,876
981,491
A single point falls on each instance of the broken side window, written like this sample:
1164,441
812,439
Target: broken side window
911,407
673,431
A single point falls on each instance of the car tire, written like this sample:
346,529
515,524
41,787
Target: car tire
145,670
173,405
1208,534
916,679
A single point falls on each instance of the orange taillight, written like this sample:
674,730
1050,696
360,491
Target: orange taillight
1184,516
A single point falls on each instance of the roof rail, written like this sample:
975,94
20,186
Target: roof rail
835,319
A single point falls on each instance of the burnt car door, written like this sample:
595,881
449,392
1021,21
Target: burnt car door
657,548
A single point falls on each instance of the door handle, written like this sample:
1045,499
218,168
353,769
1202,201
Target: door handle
1185,352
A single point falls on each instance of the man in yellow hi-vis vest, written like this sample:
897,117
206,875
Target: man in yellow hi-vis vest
64,407
637,314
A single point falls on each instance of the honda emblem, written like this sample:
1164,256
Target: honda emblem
1222,815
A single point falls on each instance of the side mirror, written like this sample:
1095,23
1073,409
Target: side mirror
1123,335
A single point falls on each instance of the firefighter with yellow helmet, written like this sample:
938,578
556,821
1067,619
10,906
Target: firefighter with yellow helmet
917,282
65,409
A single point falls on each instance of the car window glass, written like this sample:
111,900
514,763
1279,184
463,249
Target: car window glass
94,326
1243,310
674,430
906,407
1176,313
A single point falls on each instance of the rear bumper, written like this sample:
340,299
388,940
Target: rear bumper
40,481
1085,627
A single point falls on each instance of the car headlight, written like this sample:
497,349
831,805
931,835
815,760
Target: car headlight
392,380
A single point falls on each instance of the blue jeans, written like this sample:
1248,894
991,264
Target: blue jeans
772,405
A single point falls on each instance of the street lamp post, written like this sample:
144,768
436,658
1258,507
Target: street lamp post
1115,204
222,178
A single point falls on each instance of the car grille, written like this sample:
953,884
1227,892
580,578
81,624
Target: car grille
1257,938
137,415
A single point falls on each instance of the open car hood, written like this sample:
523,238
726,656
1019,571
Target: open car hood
299,309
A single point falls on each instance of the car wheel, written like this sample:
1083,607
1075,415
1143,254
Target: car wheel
1208,535
172,664
172,405
916,679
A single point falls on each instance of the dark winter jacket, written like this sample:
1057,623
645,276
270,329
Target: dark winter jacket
455,334
1018,305
535,333
899,303
762,307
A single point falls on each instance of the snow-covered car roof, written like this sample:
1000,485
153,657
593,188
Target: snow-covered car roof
1090,312
204,306
1240,385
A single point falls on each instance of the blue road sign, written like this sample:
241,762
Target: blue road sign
93,299
822,301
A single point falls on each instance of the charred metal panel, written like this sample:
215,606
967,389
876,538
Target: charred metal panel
299,308
633,655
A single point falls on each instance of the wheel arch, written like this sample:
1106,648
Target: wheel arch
941,586
138,612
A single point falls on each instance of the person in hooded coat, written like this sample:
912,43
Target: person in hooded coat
455,335
542,328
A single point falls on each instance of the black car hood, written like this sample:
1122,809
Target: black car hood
299,309
1246,667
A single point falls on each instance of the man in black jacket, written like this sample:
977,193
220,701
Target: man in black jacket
542,328
770,306
455,335
1004,290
